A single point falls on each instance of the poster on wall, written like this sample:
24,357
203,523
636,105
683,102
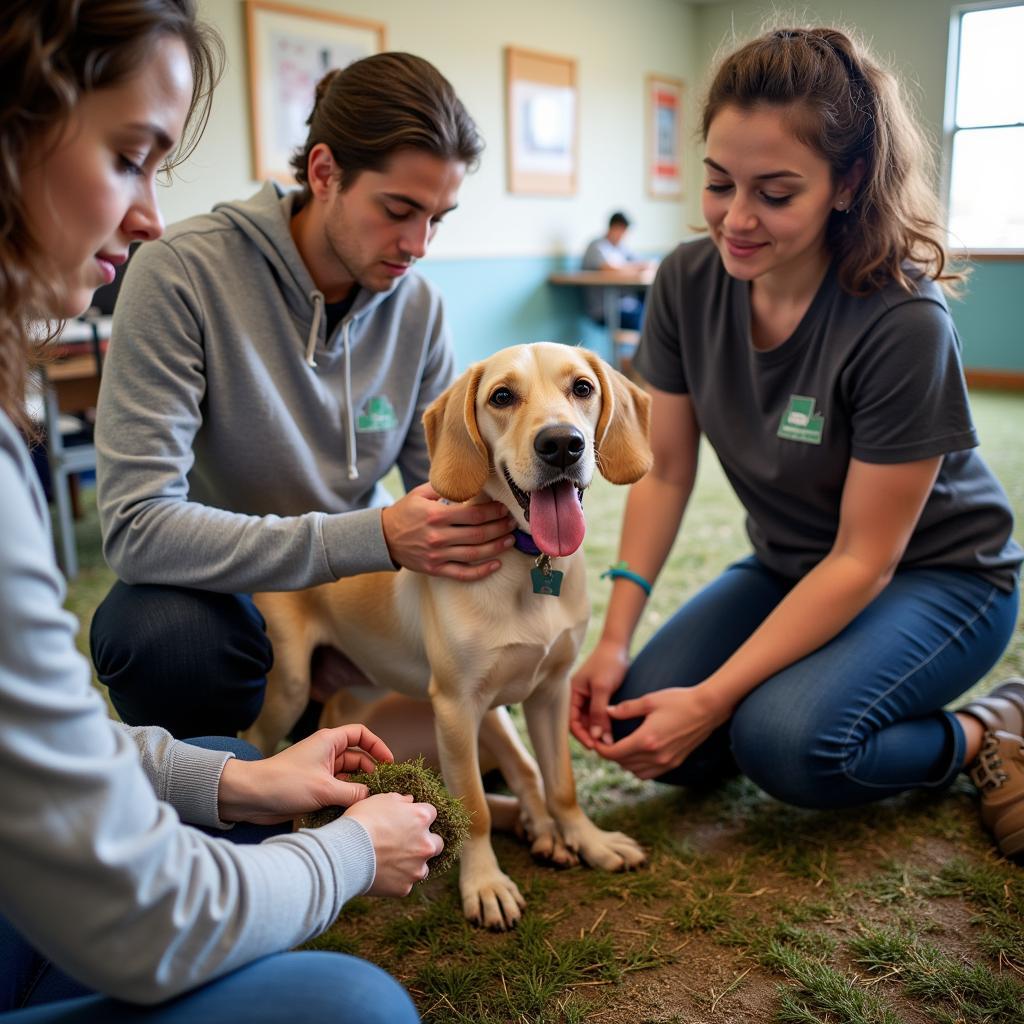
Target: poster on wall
290,50
541,119
663,137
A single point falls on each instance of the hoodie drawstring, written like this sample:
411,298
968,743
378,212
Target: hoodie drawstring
350,419
353,471
314,329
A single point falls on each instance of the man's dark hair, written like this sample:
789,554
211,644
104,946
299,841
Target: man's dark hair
390,101
618,220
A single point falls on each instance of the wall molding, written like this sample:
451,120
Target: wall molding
995,380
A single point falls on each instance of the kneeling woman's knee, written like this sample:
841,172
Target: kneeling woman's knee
789,757
345,987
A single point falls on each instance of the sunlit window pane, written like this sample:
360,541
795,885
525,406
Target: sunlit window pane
986,207
990,83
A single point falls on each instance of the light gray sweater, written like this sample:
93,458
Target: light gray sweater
226,459
97,870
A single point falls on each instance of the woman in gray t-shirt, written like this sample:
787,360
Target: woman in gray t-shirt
809,340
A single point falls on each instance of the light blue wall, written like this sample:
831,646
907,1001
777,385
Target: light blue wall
491,303
990,318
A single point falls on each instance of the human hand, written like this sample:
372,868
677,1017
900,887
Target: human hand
402,840
593,683
430,536
675,722
306,776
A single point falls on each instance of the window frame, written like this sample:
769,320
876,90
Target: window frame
949,126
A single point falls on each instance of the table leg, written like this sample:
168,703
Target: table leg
612,320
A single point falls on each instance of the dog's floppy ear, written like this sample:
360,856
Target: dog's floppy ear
459,463
622,438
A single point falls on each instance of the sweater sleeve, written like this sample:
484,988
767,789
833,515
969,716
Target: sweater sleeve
151,407
95,871
185,776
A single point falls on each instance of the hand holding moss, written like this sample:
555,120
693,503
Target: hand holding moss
411,778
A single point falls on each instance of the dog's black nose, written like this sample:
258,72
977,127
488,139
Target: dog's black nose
559,446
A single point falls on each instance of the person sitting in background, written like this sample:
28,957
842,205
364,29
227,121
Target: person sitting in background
610,252
106,898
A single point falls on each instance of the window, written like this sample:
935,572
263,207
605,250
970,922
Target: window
985,118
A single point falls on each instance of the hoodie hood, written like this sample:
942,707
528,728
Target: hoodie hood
265,219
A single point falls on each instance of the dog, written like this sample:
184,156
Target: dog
526,427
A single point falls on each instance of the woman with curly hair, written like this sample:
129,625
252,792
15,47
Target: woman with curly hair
809,340
110,907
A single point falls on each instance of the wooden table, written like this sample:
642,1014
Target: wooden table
613,282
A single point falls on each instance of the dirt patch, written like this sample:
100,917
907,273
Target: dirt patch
690,938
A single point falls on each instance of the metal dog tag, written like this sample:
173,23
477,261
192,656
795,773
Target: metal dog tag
545,579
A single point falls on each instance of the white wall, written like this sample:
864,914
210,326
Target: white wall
615,44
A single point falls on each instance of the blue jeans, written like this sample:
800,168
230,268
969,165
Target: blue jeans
301,987
858,719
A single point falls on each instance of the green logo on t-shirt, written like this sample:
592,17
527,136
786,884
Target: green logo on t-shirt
378,414
800,422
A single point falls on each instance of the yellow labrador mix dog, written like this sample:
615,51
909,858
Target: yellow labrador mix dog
527,427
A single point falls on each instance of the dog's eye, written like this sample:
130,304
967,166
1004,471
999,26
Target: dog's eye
582,388
502,397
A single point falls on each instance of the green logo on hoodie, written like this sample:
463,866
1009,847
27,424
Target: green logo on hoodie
378,414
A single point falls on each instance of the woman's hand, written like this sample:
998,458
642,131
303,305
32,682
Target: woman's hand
305,777
402,841
592,687
431,536
675,722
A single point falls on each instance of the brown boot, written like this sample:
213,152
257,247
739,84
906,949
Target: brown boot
1001,708
998,772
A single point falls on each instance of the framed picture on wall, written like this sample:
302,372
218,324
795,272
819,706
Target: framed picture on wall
541,122
663,137
290,50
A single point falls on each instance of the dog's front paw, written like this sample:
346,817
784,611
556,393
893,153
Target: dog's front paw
493,901
609,851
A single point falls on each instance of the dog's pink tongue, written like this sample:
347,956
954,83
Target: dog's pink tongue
556,519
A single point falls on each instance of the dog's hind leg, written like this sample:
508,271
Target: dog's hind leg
286,694
547,719
501,743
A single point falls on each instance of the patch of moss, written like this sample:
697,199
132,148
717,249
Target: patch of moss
427,787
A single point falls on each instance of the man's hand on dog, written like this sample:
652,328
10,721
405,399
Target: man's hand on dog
430,536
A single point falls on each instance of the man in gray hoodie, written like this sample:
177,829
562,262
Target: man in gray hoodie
270,363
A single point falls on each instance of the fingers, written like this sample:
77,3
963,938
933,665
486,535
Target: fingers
357,735
349,761
348,793
465,573
636,708
579,714
488,515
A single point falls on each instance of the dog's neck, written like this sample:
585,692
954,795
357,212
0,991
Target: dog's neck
524,542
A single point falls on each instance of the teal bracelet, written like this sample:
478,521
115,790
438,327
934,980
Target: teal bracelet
621,571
